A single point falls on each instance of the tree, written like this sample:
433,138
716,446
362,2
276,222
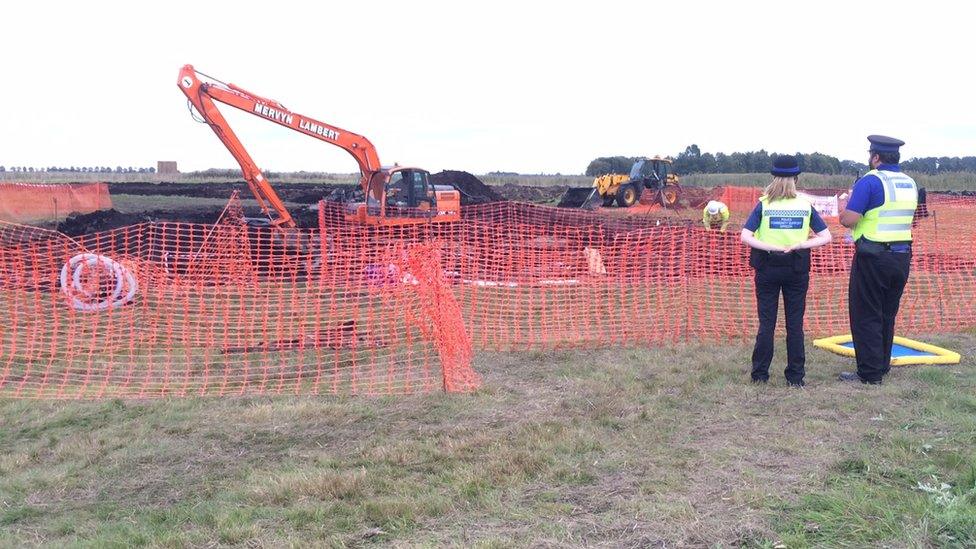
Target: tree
759,162
612,164
708,163
740,162
597,167
689,161
723,163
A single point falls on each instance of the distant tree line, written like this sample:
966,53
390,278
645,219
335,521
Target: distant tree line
235,173
220,172
76,169
933,165
692,160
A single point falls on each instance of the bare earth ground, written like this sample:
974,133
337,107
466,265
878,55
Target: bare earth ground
667,447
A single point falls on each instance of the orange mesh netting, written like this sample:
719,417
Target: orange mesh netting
169,309
31,203
537,277
740,199
223,310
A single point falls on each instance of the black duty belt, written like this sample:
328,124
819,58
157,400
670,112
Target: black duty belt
869,246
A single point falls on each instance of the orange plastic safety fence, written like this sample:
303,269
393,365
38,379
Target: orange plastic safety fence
537,277
223,310
32,203
740,199
174,309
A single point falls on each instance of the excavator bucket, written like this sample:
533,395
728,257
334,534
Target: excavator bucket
585,198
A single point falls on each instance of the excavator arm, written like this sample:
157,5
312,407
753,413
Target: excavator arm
203,95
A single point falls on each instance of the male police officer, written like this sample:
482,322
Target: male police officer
879,212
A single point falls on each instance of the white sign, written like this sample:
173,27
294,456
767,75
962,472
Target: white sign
826,206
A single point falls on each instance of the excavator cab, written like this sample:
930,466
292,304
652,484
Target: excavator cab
409,188
402,194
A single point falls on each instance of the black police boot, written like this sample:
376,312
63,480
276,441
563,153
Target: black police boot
852,376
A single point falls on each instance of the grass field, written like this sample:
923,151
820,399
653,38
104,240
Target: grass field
941,182
629,447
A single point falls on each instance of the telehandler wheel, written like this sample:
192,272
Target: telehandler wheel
627,195
669,195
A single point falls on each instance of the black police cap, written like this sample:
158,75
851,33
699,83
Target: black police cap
883,143
785,166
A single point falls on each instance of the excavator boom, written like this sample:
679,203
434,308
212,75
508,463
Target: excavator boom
411,197
203,94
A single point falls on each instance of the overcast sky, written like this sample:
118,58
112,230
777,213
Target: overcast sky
531,87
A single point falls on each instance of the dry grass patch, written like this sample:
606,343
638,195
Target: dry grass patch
625,447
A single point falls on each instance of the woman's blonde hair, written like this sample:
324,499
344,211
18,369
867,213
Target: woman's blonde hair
780,188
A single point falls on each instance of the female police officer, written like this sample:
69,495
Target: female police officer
778,231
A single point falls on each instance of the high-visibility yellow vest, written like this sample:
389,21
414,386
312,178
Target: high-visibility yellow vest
891,221
721,217
785,222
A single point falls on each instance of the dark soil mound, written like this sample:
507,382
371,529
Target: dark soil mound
306,218
526,193
106,220
472,189
346,193
696,197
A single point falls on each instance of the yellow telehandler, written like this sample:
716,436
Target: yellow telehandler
655,174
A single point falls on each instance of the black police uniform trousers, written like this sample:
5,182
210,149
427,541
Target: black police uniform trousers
772,279
877,282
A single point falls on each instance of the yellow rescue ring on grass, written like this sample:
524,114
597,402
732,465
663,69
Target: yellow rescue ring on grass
904,351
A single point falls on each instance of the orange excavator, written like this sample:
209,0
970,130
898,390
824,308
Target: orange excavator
395,195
